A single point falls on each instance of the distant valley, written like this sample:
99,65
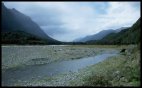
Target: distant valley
38,46
18,28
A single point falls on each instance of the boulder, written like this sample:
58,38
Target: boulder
123,51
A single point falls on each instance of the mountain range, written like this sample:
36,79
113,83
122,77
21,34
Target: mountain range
130,35
16,26
99,35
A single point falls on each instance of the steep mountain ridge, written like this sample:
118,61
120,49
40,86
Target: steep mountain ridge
15,21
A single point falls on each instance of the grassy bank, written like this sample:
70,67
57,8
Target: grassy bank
122,70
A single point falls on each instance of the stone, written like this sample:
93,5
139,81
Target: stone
60,49
123,50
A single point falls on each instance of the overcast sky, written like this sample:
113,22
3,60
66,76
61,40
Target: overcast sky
66,21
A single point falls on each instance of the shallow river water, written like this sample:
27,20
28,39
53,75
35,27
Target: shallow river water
10,76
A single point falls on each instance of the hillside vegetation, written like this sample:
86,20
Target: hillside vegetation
127,36
19,37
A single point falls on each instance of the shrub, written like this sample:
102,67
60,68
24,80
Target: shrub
96,80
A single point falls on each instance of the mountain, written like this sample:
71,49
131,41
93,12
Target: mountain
128,36
99,35
15,22
122,28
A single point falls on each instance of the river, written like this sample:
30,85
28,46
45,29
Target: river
11,76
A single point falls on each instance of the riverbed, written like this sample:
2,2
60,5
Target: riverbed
27,71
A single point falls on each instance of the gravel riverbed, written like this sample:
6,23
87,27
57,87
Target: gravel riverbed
14,56
21,56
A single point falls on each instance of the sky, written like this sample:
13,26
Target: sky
67,21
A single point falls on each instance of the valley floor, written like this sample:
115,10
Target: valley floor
121,70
